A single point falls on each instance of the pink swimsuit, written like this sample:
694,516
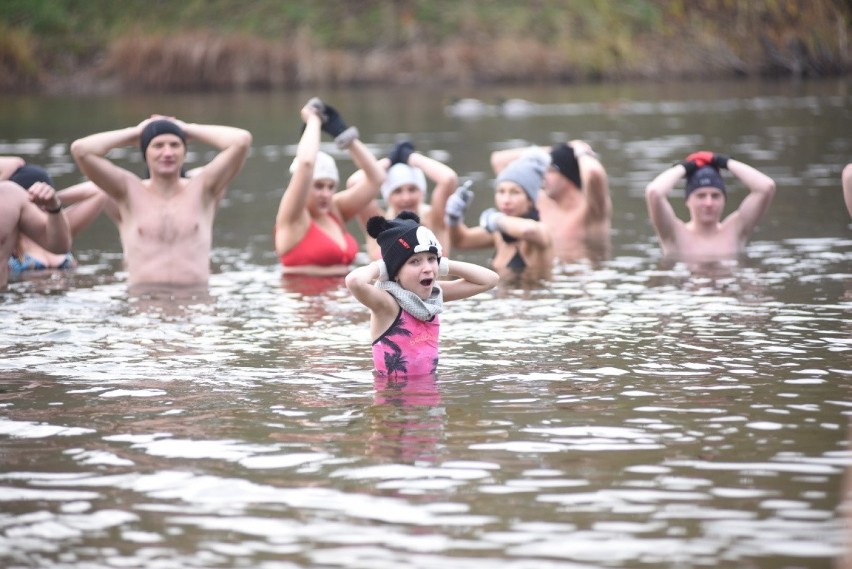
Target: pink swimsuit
408,347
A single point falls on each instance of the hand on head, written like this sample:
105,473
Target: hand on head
704,158
44,196
701,158
313,108
401,152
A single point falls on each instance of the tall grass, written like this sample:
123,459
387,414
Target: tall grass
230,44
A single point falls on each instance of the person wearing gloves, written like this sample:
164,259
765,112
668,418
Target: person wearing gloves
402,292
706,236
310,233
165,221
575,205
405,189
522,244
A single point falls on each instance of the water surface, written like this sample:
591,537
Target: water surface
629,412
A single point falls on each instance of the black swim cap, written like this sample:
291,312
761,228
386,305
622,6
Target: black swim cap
156,128
563,159
29,174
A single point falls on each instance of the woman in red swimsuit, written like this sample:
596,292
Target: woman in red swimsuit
310,233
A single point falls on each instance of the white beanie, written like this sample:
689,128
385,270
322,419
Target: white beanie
400,174
324,167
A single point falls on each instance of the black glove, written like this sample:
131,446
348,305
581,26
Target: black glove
334,125
720,161
690,166
401,152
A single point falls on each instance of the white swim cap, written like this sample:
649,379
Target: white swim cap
324,168
400,174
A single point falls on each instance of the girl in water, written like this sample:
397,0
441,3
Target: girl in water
402,292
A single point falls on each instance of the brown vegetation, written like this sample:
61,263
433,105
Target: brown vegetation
594,41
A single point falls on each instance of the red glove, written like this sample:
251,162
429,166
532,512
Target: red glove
701,158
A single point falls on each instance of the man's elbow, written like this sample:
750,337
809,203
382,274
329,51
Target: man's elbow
244,140
767,188
653,192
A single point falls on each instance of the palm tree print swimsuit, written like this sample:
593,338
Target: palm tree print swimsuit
408,347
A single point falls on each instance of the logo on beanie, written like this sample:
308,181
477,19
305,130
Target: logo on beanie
404,243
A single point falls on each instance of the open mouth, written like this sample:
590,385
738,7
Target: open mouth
427,282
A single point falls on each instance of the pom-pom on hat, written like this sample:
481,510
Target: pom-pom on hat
325,168
527,171
400,174
29,174
704,177
563,159
401,238
155,128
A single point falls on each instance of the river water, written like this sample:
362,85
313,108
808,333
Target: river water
628,412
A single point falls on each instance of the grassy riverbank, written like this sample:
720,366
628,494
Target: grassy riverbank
80,46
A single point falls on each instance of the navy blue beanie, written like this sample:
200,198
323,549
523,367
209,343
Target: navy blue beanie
156,128
704,177
29,174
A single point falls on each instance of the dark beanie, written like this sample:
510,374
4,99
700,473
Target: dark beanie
28,174
156,128
706,176
562,158
401,238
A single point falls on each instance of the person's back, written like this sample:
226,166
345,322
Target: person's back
86,202
35,213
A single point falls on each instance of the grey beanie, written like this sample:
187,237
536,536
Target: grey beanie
527,171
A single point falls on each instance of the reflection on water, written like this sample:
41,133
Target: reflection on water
627,412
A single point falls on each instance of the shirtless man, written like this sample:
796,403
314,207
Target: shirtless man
706,236
575,205
35,212
166,221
